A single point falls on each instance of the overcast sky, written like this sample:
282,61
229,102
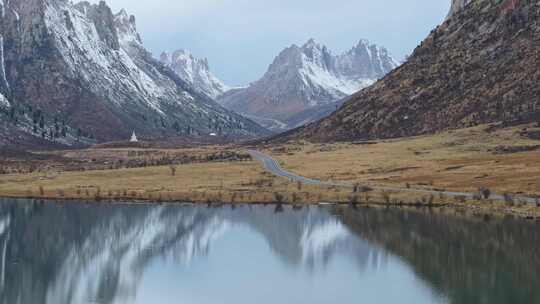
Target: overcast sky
240,38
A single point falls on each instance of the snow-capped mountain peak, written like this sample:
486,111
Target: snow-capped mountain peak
195,72
309,77
311,44
127,28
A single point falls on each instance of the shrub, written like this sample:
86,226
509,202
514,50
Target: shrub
364,189
173,170
508,199
278,197
431,199
461,198
485,192
386,197
97,197
367,197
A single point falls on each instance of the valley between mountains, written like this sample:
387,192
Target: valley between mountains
461,115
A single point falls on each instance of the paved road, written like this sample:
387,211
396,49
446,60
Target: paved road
274,167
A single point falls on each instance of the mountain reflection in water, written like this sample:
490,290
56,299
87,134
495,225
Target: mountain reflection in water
76,253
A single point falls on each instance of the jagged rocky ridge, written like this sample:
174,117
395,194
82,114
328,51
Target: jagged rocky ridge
480,66
305,83
194,71
83,67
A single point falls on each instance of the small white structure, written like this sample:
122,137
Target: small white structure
133,138
213,134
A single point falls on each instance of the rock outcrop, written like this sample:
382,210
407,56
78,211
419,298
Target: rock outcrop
457,5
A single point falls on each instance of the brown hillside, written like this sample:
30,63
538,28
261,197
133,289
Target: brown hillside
481,65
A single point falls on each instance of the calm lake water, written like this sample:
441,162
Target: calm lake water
77,253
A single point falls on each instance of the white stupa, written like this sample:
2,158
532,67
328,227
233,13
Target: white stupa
133,137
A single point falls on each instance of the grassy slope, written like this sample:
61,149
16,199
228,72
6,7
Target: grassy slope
63,177
462,160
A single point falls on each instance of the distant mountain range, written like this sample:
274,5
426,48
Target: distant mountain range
306,83
480,66
77,73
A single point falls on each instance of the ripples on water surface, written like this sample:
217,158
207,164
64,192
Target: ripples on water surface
76,253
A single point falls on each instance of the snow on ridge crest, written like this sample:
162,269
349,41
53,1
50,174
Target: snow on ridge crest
127,28
88,56
346,73
195,72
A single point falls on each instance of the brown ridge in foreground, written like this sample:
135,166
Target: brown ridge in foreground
481,65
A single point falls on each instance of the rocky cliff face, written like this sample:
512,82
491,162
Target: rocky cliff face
83,66
457,5
480,66
196,72
303,79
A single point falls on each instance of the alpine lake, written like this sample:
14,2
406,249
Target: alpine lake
74,253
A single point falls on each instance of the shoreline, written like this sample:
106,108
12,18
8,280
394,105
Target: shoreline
473,209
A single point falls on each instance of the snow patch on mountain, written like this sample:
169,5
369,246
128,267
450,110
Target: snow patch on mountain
3,77
127,29
316,75
195,72
88,56
3,101
344,74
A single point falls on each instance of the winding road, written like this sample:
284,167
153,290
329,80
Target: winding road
273,166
